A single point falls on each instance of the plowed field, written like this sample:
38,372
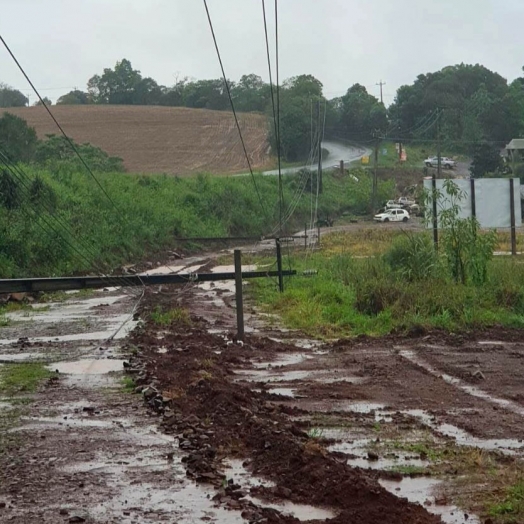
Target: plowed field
152,139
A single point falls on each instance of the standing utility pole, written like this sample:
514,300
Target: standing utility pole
439,152
434,184
319,172
375,175
381,95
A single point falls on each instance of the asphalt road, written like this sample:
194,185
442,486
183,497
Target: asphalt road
337,152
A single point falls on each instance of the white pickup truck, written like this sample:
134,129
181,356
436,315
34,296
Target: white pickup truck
446,162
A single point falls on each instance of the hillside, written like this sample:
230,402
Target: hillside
154,139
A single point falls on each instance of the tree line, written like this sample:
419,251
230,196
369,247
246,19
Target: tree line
465,104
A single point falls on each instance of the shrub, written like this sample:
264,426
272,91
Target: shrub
413,257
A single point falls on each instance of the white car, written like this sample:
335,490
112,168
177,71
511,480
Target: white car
392,215
405,201
445,162
391,204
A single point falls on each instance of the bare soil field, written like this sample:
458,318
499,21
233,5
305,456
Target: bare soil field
153,139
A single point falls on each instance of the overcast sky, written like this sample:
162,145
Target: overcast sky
62,43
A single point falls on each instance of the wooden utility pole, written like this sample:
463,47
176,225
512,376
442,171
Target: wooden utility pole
239,294
381,95
279,266
439,152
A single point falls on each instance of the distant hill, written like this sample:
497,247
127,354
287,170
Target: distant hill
153,139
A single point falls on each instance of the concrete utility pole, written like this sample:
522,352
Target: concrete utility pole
381,95
375,175
319,172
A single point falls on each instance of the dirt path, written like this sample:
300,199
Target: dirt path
280,429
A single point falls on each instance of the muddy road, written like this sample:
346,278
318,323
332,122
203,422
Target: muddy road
149,421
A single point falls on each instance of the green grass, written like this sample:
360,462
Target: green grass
351,296
410,471
163,317
128,384
511,509
17,379
151,212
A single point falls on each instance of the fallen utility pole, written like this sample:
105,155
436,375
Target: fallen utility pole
31,285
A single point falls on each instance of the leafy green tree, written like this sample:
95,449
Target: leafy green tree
474,103
10,97
123,85
47,101
207,94
17,140
486,160
75,97
251,93
174,96
303,86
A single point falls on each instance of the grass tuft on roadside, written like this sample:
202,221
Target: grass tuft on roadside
22,378
165,317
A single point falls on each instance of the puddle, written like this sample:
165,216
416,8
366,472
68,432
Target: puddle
235,469
283,359
364,407
390,461
122,323
22,357
186,505
471,390
421,490
301,343
61,423
265,376
463,438
231,269
88,367
284,392
299,511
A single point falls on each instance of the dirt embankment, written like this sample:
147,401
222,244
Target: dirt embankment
191,382
154,139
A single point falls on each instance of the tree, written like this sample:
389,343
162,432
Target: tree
251,93
10,97
17,140
486,160
361,114
47,101
122,85
207,94
303,86
75,97
475,104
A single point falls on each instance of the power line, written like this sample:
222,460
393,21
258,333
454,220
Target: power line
234,111
24,180
279,146
277,138
70,142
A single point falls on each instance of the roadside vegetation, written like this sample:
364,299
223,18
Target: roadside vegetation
375,282
16,382
59,222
